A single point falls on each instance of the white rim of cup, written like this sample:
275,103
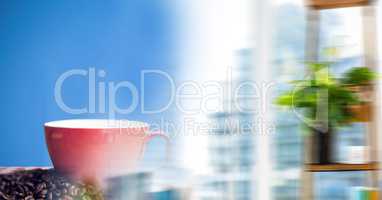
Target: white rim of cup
96,124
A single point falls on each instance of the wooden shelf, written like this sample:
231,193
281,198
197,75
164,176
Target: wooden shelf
330,4
338,167
369,20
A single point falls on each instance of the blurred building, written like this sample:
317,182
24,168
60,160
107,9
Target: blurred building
170,194
231,140
132,186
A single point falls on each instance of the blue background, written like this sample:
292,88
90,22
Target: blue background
40,40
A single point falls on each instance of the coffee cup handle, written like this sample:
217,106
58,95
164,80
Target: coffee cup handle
155,134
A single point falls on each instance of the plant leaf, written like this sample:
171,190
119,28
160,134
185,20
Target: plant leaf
359,76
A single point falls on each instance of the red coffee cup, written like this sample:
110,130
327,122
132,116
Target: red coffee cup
95,149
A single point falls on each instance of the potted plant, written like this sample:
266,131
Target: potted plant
327,102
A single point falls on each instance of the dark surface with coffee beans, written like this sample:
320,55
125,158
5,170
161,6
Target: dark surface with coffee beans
38,184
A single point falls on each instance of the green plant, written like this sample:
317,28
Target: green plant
324,97
359,76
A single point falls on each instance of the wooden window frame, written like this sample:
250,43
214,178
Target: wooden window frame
330,4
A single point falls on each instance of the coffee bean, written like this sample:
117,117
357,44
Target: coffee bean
44,184
40,187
